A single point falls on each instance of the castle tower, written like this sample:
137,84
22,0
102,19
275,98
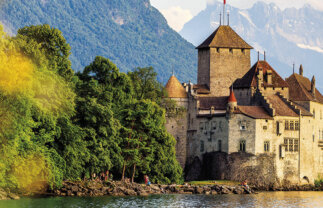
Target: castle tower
222,58
177,125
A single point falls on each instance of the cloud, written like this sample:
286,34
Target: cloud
177,16
211,2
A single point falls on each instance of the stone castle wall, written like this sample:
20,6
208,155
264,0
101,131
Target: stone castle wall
227,65
178,128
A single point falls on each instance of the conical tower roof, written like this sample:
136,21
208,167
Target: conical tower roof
232,97
224,37
175,89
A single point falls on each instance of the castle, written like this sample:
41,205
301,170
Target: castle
244,122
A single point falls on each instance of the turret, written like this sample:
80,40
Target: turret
232,102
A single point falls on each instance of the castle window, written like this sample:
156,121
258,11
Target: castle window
314,113
264,127
220,145
243,50
296,125
231,50
218,50
202,146
286,125
291,145
267,146
242,146
243,126
291,125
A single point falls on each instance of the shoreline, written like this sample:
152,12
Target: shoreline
119,188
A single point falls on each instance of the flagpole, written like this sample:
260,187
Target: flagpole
224,12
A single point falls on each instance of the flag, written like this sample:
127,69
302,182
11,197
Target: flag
225,1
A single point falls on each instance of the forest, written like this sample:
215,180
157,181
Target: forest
58,125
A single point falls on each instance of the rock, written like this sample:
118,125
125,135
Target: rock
225,190
143,193
13,196
69,193
75,189
238,190
214,193
79,194
130,192
198,190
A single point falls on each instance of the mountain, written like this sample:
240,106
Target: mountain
130,33
287,36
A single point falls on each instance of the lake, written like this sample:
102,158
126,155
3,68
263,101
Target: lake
263,199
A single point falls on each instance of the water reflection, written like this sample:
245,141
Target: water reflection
266,199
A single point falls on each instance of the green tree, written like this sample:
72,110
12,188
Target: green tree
54,46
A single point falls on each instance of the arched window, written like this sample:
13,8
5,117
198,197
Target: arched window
242,146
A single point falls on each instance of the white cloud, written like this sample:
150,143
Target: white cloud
211,2
177,16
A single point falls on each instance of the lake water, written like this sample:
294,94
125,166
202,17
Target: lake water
265,199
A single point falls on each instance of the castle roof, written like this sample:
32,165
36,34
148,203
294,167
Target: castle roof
219,103
250,78
232,97
224,37
175,89
256,112
281,108
300,89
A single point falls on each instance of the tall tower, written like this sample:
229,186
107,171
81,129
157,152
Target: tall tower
222,58
178,125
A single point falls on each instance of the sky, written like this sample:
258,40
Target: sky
178,12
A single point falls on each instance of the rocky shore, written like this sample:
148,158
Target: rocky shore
6,195
118,188
134,189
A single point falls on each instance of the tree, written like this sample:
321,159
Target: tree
53,45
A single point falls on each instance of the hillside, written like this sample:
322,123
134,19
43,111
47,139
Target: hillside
130,33
287,36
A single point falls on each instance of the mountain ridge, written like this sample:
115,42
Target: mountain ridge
130,33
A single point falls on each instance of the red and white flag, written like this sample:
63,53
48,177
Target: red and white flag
224,1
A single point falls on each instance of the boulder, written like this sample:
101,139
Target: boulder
225,190
13,196
198,190
74,189
238,190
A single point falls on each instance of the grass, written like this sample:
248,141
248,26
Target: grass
220,182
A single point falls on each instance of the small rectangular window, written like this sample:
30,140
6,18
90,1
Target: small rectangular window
286,125
291,125
296,145
286,144
266,146
296,125
290,143
220,145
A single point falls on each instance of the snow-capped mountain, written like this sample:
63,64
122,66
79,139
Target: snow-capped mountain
288,36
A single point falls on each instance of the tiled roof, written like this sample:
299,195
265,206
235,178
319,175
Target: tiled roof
224,37
304,112
250,78
175,89
257,112
232,98
300,89
219,103
201,89
281,108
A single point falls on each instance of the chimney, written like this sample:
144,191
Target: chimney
269,77
301,70
260,77
313,86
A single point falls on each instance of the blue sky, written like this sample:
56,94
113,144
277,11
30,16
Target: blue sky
178,12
